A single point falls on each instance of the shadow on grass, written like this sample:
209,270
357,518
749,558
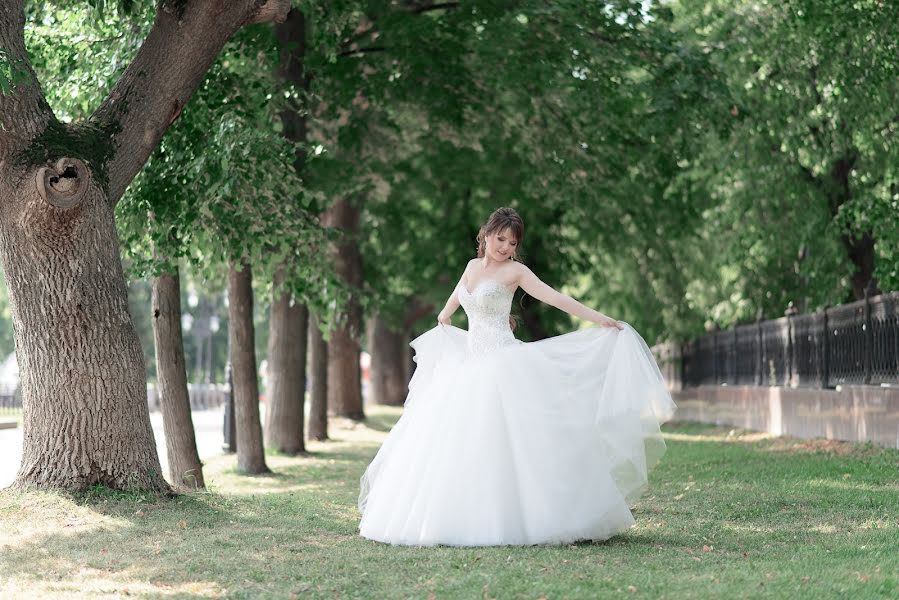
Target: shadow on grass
380,422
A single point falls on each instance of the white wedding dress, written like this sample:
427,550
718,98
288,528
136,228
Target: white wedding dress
507,442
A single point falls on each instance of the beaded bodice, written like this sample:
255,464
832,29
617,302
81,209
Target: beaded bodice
487,307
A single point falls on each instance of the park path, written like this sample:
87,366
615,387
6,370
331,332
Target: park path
207,424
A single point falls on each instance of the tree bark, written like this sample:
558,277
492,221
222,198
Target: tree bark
318,371
82,368
861,253
389,377
344,376
287,372
250,454
185,468
83,376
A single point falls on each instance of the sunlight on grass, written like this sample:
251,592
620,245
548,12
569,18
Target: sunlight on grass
720,519
731,435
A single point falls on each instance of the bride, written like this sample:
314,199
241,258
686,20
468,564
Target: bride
507,442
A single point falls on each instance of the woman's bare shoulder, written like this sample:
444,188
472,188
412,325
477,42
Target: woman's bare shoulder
519,269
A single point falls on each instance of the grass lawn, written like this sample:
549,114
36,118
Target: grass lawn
729,514
11,415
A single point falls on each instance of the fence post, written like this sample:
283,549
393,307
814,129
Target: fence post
714,335
758,350
868,352
230,425
790,313
734,378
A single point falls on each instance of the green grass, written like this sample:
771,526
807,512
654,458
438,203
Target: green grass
11,415
729,514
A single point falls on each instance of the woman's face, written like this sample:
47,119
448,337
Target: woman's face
501,246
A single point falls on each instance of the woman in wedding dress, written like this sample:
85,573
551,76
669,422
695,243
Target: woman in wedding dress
507,442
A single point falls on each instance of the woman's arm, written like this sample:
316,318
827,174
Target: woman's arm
445,316
531,284
452,303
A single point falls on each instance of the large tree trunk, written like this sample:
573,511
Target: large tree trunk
389,377
344,376
287,372
185,468
82,370
250,454
318,372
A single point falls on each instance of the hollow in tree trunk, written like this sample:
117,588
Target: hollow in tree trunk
185,468
250,454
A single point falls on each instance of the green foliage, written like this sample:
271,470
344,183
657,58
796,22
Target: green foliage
808,163
676,164
79,54
12,73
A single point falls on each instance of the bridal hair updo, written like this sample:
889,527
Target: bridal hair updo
500,220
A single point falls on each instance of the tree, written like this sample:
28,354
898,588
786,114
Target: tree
79,356
344,375
804,177
250,452
185,468
289,318
318,373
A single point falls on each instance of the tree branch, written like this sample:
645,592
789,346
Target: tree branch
24,112
273,11
435,6
167,70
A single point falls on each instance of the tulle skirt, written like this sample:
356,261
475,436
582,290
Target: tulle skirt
532,443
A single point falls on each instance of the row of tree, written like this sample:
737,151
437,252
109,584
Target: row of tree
676,164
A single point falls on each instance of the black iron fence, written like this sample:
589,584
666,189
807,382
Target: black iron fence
855,343
203,396
10,403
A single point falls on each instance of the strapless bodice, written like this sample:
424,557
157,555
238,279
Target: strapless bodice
487,307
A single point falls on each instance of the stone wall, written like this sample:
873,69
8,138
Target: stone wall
857,413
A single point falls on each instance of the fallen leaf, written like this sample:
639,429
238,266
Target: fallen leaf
708,548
